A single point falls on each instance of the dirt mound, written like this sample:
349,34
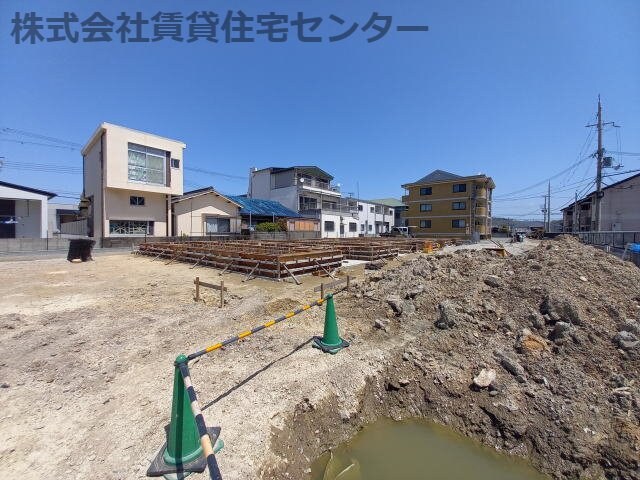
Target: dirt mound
280,305
559,328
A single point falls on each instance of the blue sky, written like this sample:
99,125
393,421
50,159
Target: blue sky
501,87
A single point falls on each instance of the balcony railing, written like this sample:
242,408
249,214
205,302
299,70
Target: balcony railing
343,211
315,183
481,193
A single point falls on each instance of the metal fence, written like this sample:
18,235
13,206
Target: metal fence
79,227
612,239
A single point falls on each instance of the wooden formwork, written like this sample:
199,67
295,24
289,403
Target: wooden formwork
372,248
358,248
251,257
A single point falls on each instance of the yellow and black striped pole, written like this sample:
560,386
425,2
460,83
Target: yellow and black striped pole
189,446
246,333
205,438
182,452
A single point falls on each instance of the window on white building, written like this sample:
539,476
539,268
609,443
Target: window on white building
353,227
146,164
136,201
217,225
130,227
329,226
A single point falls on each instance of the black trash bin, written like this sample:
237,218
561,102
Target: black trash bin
80,249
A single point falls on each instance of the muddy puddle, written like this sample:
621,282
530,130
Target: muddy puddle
417,450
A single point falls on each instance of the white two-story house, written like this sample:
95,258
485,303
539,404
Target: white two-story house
374,218
130,178
308,191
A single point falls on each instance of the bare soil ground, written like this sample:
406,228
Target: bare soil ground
86,363
86,354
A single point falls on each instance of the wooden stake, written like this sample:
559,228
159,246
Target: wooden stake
197,282
227,267
322,290
348,279
221,293
325,270
199,260
251,272
291,273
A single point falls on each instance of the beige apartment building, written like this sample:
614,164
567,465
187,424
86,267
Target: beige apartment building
130,178
445,204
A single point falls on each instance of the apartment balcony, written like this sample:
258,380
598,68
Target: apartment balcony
321,188
481,194
342,211
481,211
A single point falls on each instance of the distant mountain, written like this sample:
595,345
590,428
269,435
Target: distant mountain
499,221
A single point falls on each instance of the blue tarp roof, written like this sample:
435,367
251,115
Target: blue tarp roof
258,207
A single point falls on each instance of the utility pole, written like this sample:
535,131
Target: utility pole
599,165
599,156
548,229
575,227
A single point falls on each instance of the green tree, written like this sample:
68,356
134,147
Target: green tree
268,227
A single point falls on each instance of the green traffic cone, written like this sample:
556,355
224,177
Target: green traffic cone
183,441
182,454
330,341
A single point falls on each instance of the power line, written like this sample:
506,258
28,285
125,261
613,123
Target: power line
582,192
534,212
622,173
583,149
40,167
571,169
624,153
65,144
74,197
26,142
38,136
542,182
217,174
537,195
579,195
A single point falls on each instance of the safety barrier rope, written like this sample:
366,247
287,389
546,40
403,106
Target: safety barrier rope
205,439
246,333
182,363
